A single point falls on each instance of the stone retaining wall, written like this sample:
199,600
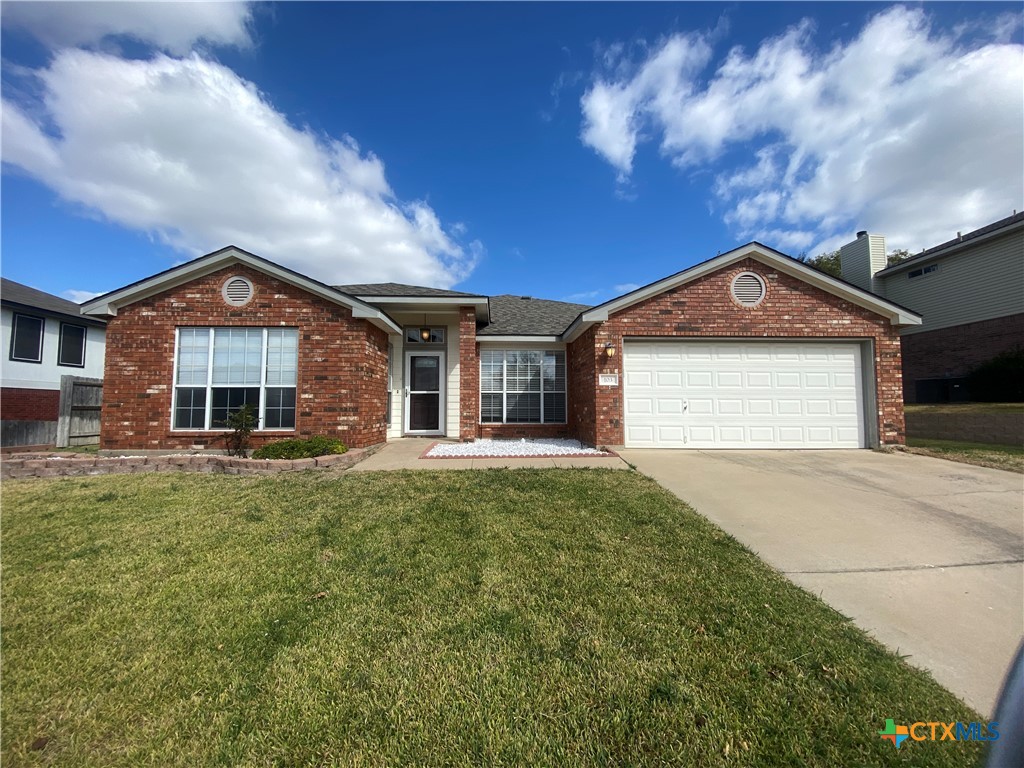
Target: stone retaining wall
999,428
77,465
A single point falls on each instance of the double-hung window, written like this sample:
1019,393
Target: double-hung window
522,387
219,370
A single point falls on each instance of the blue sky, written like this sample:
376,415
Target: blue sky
567,151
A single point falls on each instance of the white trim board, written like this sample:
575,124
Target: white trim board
897,315
109,303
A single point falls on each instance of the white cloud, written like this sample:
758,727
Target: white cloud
80,297
188,151
171,26
626,287
903,130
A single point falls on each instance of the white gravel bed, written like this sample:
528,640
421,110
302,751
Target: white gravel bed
542,446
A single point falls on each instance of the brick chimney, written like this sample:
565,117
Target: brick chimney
861,259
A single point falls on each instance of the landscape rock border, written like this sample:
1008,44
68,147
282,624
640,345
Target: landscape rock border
51,464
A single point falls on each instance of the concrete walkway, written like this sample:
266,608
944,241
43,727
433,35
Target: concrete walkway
923,553
405,453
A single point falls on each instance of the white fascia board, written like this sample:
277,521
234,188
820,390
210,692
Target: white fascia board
431,303
896,314
494,339
109,304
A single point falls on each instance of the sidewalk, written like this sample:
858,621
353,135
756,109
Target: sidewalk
405,452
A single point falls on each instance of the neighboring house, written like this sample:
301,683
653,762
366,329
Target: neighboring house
751,349
969,292
44,338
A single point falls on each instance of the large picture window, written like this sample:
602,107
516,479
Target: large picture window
522,387
218,370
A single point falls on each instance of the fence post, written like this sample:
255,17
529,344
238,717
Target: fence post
67,388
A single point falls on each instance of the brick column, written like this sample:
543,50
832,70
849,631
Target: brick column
469,375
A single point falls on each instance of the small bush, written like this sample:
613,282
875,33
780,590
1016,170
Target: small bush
1000,380
300,449
241,423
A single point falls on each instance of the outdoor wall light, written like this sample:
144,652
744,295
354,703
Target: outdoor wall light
425,334
609,349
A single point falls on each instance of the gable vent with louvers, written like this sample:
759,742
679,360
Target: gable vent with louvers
237,291
748,289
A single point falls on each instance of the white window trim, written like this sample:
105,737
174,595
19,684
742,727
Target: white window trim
60,344
14,337
209,383
504,391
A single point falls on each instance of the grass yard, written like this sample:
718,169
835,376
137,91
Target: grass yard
964,407
496,617
1009,457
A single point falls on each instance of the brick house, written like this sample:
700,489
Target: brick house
969,292
751,349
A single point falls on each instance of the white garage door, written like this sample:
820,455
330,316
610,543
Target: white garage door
733,394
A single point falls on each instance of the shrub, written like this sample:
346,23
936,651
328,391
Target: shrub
241,423
1000,380
317,445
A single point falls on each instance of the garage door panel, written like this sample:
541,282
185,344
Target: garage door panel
698,379
639,406
729,378
816,380
743,395
668,379
759,379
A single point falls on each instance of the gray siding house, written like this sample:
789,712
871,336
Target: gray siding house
969,292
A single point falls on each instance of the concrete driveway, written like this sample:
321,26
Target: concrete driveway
925,554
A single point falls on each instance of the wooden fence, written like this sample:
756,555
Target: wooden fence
79,420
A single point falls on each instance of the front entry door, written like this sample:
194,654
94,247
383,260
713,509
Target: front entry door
424,388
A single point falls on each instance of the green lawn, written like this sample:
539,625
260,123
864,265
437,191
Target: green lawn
1008,457
964,408
495,617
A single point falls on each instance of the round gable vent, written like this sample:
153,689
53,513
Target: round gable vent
748,289
237,291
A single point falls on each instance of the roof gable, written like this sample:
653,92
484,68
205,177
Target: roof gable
109,303
526,316
897,315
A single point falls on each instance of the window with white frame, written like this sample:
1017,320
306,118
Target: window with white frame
27,338
71,346
522,386
218,370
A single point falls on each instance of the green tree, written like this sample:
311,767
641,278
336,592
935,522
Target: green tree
827,262
895,257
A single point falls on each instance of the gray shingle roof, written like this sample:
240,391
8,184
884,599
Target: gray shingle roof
525,316
399,289
965,239
31,298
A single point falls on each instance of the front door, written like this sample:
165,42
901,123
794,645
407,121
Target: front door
424,388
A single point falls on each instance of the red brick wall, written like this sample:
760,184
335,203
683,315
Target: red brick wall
342,375
469,374
583,364
513,431
18,404
955,352
705,308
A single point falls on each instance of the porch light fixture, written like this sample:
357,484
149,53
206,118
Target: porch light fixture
425,334
609,349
